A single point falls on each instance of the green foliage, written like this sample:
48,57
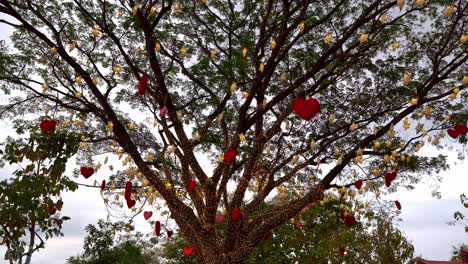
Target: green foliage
30,196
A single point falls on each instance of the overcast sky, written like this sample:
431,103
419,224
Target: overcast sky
424,218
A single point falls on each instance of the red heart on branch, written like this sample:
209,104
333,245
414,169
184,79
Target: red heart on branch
87,171
358,184
453,133
230,156
47,126
389,177
170,233
157,228
188,251
299,225
143,84
342,250
266,236
128,190
103,185
306,109
219,218
350,220
235,214
191,185
130,203
147,215
461,129
398,205
163,111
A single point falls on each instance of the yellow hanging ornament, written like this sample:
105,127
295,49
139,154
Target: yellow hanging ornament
78,79
45,86
176,7
449,10
241,137
95,32
414,101
383,19
406,78
132,125
213,55
328,38
261,68
155,122
244,52
117,69
72,46
157,46
78,94
395,45
183,52
463,38
464,80
301,26
153,9
273,44
134,10
363,38
171,149
233,87
196,136
420,3
401,4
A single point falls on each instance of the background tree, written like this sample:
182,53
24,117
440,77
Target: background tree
227,84
30,197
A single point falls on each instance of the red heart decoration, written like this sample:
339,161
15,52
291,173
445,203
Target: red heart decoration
306,109
191,186
87,171
157,228
342,250
230,156
235,214
461,129
219,218
267,235
453,133
163,111
342,216
299,224
170,233
47,126
130,203
358,184
143,84
103,185
389,177
398,205
147,215
188,251
128,190
350,220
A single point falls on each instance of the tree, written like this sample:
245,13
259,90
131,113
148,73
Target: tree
299,98
316,235
30,198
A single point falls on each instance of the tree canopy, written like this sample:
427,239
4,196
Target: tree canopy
213,107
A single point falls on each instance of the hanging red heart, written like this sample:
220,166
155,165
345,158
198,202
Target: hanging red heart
389,177
230,156
350,220
219,218
157,228
342,216
47,126
163,111
87,172
453,133
358,184
267,235
461,129
342,250
299,224
398,205
188,251
191,185
128,190
130,203
169,233
103,185
306,109
147,215
235,214
143,84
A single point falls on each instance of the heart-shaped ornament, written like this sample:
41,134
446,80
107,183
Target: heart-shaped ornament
453,133
350,220
130,203
389,177
230,156
87,171
235,214
103,185
157,228
342,250
47,126
358,184
219,218
188,251
299,224
191,185
163,111
169,233
147,215
143,84
267,235
398,205
306,109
